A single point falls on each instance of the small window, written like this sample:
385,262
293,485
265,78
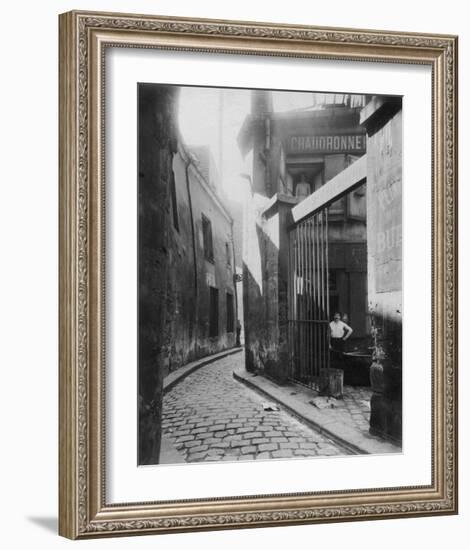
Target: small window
207,239
213,311
174,203
230,312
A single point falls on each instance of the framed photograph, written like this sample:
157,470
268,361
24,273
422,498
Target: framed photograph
258,274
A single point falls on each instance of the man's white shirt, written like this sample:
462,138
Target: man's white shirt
338,329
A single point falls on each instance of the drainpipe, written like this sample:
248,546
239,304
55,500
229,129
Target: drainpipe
267,156
234,277
193,234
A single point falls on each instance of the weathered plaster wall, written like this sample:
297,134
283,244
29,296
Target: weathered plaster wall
384,202
254,289
174,276
191,274
218,273
265,272
157,142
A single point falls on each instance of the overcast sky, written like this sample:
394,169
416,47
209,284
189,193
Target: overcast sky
199,116
199,125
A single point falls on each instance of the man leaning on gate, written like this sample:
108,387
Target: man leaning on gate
339,332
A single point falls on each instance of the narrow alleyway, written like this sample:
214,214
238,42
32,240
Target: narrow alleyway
211,416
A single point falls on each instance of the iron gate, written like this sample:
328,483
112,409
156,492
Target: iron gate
308,301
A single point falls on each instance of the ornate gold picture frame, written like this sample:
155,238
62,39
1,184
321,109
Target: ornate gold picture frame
84,510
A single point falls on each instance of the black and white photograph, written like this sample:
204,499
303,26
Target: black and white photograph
269,274
231,271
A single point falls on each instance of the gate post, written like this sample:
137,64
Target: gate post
277,218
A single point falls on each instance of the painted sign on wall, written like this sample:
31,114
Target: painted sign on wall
385,206
324,144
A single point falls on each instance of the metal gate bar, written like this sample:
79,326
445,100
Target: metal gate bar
308,299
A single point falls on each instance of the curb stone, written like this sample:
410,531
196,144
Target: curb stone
351,439
180,374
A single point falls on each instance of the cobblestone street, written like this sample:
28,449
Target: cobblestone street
211,416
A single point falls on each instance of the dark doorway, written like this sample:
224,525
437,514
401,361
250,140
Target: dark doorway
213,311
230,312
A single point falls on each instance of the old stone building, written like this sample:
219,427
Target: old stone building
293,155
322,233
201,294
187,289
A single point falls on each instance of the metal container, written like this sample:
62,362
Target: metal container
356,368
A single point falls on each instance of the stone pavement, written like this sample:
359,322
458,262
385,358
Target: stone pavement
210,416
345,420
356,403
